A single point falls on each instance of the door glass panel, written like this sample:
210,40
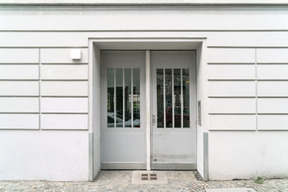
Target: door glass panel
177,98
168,100
128,98
110,98
160,107
136,98
186,109
119,97
123,97
173,111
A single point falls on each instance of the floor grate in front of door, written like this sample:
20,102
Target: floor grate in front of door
197,176
149,177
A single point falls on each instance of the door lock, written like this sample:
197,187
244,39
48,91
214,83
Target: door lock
153,119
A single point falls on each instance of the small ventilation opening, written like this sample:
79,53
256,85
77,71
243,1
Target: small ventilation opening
150,176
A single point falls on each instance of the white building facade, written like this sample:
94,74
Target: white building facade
177,85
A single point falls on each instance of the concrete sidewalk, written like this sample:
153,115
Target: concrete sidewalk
121,181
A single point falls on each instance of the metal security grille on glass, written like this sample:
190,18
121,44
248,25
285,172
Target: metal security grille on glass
173,110
123,97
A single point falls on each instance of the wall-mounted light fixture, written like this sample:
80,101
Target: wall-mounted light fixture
75,54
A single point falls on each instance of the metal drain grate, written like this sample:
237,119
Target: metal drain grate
151,176
144,176
197,176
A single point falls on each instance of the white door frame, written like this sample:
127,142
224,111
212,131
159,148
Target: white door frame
97,44
148,113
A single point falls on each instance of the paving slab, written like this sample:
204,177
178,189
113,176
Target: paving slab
121,181
231,190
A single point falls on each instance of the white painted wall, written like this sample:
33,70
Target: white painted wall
247,155
202,127
259,103
95,99
242,84
44,155
34,100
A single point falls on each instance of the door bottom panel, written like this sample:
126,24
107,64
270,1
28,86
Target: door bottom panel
123,165
174,166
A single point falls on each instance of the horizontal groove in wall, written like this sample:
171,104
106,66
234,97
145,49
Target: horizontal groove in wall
272,63
19,63
85,47
19,113
68,80
19,79
86,129
231,79
64,63
46,47
156,30
272,79
278,130
147,38
72,47
232,113
232,130
57,96
233,98
64,113
272,97
219,129
197,30
236,97
19,129
5,63
248,47
272,113
231,63
36,96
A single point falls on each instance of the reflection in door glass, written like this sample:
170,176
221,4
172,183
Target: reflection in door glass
110,97
177,98
168,100
136,97
186,113
128,97
123,97
173,110
160,107
119,97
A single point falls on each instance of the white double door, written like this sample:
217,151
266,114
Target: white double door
140,131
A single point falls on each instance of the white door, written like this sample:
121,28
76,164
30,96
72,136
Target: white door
123,142
173,110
